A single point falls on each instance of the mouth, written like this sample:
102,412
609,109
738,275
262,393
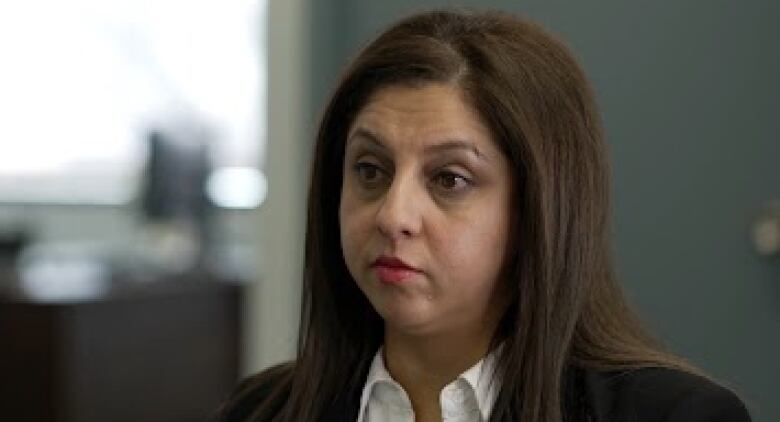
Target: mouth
392,270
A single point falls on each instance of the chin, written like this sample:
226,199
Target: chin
408,320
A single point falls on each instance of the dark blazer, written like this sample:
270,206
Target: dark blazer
640,395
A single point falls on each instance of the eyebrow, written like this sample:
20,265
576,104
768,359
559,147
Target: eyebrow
446,145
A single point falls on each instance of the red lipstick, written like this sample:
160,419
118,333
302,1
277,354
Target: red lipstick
392,270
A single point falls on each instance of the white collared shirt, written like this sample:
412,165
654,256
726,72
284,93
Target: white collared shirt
469,398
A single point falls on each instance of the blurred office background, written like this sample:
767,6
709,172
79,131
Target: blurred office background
113,115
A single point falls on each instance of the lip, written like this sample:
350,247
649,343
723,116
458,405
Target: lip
392,262
392,270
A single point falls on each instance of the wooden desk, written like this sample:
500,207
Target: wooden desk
162,352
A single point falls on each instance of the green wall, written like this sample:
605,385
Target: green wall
691,102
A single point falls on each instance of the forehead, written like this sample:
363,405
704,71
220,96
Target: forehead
419,115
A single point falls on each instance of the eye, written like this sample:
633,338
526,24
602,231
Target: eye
368,173
451,182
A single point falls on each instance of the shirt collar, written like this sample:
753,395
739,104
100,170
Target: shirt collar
480,378
484,382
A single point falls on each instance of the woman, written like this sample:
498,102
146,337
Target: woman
458,261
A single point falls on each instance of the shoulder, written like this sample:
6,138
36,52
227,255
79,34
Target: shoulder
660,394
258,397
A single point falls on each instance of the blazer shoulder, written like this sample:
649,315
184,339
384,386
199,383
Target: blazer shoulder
258,397
661,395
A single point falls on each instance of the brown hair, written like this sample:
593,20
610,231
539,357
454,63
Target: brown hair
567,308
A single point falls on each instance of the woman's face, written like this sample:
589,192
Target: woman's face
424,211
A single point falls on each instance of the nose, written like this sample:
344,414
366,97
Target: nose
399,214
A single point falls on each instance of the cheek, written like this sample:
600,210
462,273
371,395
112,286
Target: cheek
473,254
352,230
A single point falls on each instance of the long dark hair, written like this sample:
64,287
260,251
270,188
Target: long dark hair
567,308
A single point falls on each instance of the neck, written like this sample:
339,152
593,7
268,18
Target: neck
424,365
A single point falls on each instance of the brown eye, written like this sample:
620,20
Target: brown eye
450,181
368,173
